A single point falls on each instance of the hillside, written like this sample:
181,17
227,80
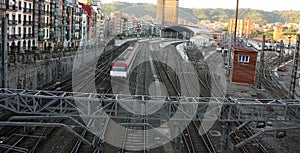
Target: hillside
195,15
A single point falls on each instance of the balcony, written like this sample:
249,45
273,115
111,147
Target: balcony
41,25
41,38
11,8
27,10
41,12
26,23
47,24
27,36
12,22
47,12
14,37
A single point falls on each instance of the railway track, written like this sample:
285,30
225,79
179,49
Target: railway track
18,141
101,74
194,128
193,140
136,138
246,132
271,83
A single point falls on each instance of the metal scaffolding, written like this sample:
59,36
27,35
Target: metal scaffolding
40,102
46,105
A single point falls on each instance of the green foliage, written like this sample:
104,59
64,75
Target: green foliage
195,15
289,16
256,33
269,34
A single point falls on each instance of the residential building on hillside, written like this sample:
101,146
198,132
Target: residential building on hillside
277,34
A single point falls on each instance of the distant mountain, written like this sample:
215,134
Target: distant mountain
195,15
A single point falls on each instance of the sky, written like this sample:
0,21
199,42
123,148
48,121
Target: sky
267,5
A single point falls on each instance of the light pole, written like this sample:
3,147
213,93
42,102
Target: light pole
294,71
281,52
4,51
289,46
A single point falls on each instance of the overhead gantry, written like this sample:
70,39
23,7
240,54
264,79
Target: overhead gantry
99,109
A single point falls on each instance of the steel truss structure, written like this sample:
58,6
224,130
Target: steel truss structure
38,104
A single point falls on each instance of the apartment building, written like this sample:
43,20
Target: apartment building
167,11
20,27
243,27
46,25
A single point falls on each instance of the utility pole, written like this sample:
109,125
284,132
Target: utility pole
4,52
294,72
228,54
262,64
236,20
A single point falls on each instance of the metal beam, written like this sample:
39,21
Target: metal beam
100,106
29,124
261,132
15,118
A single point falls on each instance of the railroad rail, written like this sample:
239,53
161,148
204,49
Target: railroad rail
271,83
50,103
36,134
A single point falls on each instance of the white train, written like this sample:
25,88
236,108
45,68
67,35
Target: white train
121,66
270,44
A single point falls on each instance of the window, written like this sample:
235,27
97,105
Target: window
13,30
243,58
19,18
19,29
118,68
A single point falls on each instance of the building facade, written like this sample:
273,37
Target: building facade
37,27
243,64
2,14
277,34
159,10
20,15
243,27
167,11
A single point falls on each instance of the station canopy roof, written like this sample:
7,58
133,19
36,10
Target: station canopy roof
177,28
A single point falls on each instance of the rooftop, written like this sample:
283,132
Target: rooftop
241,49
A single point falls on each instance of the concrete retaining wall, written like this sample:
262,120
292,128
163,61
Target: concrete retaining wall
36,75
